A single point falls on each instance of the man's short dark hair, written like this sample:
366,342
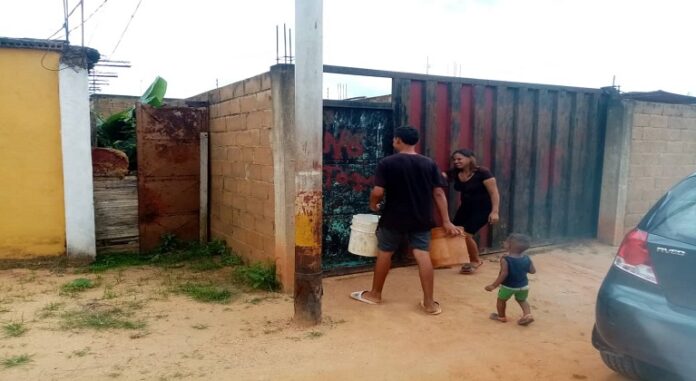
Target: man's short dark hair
407,134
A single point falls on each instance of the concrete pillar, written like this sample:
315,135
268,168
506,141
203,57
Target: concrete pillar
617,154
308,167
77,158
283,146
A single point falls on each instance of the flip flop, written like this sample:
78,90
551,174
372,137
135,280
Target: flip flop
526,320
494,316
436,312
358,295
469,268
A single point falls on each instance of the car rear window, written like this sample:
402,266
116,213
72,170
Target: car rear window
676,217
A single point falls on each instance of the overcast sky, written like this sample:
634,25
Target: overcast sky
647,45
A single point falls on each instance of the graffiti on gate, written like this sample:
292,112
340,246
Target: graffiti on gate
357,181
351,142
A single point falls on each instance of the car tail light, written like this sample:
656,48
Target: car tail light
633,256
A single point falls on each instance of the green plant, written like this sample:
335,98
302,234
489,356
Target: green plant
80,353
118,130
77,285
207,293
12,361
14,329
259,276
106,319
50,310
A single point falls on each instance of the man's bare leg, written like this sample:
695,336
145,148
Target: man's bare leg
427,278
382,267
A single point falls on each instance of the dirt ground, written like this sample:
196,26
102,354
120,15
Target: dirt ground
252,337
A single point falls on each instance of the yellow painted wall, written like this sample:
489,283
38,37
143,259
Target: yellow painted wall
32,217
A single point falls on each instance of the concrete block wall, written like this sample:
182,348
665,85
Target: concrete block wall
241,167
662,152
648,148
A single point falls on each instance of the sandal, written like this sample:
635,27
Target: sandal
438,309
525,320
470,268
494,316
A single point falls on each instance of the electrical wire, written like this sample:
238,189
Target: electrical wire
126,29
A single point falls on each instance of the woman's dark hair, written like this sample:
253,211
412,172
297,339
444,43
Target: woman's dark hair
466,153
407,134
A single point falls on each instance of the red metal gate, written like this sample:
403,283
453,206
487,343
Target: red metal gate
168,141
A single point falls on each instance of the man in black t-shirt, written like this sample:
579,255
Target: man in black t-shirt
410,182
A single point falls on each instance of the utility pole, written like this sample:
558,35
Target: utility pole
308,170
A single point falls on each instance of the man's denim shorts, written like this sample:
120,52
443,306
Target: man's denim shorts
390,240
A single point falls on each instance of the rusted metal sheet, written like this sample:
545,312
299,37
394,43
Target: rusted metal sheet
543,143
168,141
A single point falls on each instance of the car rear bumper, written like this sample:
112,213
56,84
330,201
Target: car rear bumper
633,319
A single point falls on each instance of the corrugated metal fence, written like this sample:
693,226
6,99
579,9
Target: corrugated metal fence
543,143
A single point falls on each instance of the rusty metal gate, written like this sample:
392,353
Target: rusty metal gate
168,148
356,136
543,143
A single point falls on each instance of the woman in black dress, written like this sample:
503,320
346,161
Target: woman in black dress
479,200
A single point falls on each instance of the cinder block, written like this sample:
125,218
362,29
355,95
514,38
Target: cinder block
215,111
265,137
263,156
236,122
632,220
658,121
264,227
641,120
239,170
261,191
230,107
637,133
256,172
636,171
267,174
688,134
216,167
227,92
217,125
268,210
675,146
651,134
227,198
244,138
636,206
248,154
673,134
213,96
227,168
244,188
264,100
228,138
266,81
247,221
234,154
252,85
218,153
230,184
259,119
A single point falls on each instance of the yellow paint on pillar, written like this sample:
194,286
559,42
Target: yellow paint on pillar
305,231
32,211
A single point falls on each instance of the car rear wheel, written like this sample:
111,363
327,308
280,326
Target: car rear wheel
635,369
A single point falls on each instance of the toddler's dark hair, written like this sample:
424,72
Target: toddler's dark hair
521,240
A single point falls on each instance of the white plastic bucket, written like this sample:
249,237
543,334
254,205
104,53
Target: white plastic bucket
363,240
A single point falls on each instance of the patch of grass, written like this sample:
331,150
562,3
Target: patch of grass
135,304
259,276
171,252
199,326
109,293
77,285
13,361
4,310
206,265
206,293
14,329
80,353
315,334
50,309
113,318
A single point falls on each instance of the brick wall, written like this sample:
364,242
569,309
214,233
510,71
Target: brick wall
662,152
241,193
106,105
